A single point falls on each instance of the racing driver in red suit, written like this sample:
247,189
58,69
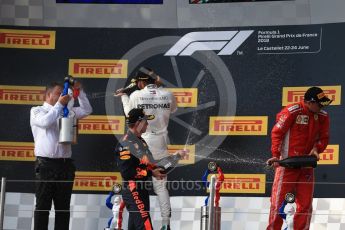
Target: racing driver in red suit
301,129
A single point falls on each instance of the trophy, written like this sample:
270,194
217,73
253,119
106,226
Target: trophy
68,127
212,167
115,222
288,210
290,197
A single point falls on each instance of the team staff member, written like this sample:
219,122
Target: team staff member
53,160
136,165
161,103
300,129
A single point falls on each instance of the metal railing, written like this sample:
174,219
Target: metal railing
2,202
211,206
212,211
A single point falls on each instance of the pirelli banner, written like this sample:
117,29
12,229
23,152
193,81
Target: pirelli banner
229,84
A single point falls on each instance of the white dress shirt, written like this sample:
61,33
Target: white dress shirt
44,122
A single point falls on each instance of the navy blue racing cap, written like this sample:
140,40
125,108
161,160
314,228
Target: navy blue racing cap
145,74
137,115
317,95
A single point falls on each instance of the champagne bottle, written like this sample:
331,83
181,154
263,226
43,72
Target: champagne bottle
70,80
168,162
298,162
129,89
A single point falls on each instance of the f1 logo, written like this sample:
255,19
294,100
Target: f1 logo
225,41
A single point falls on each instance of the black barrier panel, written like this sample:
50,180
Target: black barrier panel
112,1
238,72
228,1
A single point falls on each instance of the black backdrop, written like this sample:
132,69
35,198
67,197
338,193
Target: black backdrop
258,80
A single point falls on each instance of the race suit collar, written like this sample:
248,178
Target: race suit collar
305,108
132,135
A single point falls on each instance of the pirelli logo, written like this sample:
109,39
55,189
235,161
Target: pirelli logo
244,183
296,94
100,124
190,156
17,151
25,95
185,97
87,68
238,125
330,156
27,39
95,181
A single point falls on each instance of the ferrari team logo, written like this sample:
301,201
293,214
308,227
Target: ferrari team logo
27,39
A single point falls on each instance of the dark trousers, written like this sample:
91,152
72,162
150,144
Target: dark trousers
48,189
137,202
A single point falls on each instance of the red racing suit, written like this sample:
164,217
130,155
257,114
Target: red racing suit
296,132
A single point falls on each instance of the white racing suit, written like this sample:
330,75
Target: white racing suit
161,103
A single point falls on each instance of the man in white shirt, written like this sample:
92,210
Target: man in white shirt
53,160
161,103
